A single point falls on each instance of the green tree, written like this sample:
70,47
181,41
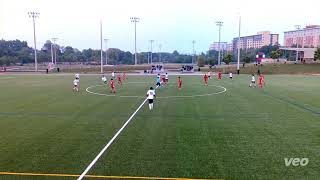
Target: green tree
275,55
227,58
246,60
268,49
211,61
317,54
201,61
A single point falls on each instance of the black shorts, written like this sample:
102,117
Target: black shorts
158,84
230,77
253,82
150,101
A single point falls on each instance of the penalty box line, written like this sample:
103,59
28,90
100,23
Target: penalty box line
111,141
94,176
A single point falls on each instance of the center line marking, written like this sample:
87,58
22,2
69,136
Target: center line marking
110,142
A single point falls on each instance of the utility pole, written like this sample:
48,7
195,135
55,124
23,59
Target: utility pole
51,52
34,15
160,46
101,51
106,42
238,61
135,20
151,41
219,23
193,52
55,51
148,56
297,52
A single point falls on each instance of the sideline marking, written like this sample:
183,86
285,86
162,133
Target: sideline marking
97,176
111,141
1,78
166,97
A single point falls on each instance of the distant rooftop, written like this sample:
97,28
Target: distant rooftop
312,26
307,27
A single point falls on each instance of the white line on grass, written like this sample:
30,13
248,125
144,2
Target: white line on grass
166,97
110,142
1,78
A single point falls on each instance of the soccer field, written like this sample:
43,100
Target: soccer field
222,131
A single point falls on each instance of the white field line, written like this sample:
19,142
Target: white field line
166,97
2,78
110,142
107,74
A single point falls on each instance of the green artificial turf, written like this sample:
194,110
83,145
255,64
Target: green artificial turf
244,133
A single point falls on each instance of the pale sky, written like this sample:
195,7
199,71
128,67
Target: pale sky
172,23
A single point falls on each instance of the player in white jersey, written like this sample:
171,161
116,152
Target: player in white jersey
253,81
75,85
230,75
77,76
166,78
210,74
104,79
113,74
151,94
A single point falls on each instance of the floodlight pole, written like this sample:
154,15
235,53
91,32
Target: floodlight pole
34,15
101,51
238,61
135,20
51,53
106,42
193,52
55,50
160,58
151,41
219,23
297,52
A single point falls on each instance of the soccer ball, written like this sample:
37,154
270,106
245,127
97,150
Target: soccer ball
250,85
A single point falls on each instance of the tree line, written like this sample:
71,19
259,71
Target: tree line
16,52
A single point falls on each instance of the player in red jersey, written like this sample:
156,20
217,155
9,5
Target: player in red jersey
124,77
163,79
119,80
112,86
261,80
179,83
219,75
205,78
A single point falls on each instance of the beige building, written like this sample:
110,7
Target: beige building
215,46
224,46
306,37
263,38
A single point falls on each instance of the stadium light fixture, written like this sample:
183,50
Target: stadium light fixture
160,58
297,52
106,42
101,51
151,41
34,15
219,23
238,44
135,20
193,52
54,46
